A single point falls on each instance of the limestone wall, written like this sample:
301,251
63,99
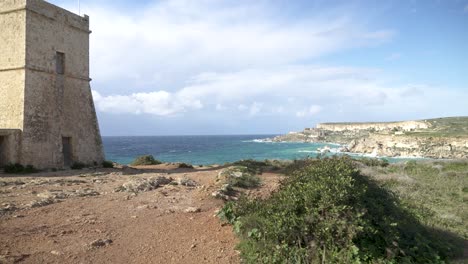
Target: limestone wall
404,125
10,146
58,105
43,104
12,61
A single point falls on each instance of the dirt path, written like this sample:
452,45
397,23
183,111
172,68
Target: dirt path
77,217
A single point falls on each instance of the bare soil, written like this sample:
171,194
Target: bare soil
79,217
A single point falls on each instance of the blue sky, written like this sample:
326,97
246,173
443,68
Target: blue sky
259,67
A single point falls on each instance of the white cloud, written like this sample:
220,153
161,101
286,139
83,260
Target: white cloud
159,103
220,107
255,108
312,110
343,88
242,107
167,42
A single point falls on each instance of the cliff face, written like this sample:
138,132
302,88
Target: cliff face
410,146
376,126
433,138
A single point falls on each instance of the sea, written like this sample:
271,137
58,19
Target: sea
207,150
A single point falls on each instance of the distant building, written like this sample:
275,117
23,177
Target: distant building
47,115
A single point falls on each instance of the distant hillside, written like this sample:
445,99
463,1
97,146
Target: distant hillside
436,127
447,127
445,137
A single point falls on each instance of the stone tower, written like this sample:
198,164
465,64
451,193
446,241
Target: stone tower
47,115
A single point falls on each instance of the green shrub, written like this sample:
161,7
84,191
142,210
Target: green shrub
19,169
240,176
185,166
326,212
77,166
145,160
456,166
413,168
107,164
374,162
253,166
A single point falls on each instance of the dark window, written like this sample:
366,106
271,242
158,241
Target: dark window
60,63
67,151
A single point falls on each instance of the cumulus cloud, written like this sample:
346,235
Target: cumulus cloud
312,110
165,43
181,56
159,103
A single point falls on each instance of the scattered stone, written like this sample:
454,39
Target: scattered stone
55,252
142,207
42,202
184,181
86,192
100,243
143,185
192,210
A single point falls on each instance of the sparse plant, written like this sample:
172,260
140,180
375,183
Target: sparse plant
77,166
327,212
185,166
240,176
145,160
107,164
19,169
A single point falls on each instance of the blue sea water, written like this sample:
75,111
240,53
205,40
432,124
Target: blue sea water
205,150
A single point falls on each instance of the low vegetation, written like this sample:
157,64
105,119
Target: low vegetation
145,160
77,166
185,166
328,211
19,169
107,164
373,162
240,176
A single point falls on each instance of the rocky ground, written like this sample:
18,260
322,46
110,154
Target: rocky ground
150,214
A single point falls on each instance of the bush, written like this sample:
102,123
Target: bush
326,212
253,166
145,160
240,176
107,164
185,166
19,169
373,162
77,166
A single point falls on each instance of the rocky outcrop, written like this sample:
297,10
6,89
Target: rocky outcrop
376,126
433,138
410,146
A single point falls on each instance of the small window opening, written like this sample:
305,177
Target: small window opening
60,63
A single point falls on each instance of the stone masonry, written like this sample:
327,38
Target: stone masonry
47,115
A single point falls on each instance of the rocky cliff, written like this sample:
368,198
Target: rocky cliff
432,138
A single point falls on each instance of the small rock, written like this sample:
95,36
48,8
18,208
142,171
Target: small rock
192,210
142,207
184,181
100,243
55,252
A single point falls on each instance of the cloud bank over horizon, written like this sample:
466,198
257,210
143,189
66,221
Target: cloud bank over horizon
233,65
